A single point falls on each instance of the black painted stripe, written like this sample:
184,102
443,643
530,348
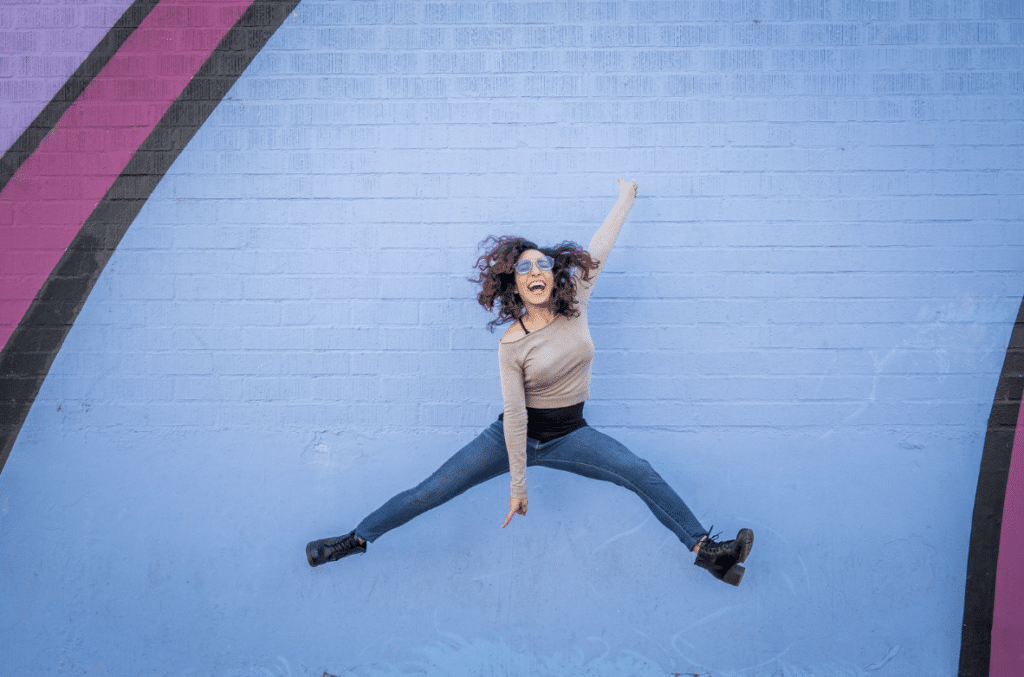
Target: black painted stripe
29,353
987,522
29,141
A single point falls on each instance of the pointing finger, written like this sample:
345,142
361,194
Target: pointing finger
509,518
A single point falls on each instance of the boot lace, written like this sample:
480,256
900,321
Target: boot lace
711,547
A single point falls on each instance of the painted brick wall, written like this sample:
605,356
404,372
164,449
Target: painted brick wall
42,42
801,328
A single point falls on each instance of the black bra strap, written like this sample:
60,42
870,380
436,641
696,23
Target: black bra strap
524,325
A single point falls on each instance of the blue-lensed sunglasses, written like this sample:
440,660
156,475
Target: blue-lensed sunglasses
543,263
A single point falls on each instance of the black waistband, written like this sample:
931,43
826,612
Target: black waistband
545,425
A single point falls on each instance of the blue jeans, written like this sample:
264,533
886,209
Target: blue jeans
584,451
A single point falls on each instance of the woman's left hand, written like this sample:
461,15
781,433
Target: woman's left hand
624,187
515,505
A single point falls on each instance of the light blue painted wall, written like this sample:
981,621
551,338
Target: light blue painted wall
801,328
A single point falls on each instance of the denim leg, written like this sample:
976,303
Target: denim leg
590,453
482,459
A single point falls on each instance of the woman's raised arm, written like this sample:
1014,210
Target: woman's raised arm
604,239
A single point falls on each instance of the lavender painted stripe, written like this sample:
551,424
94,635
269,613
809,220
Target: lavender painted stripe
45,204
1007,620
42,68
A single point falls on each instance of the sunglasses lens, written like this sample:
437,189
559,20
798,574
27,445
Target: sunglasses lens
544,263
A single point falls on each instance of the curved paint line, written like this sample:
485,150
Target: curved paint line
1007,621
55,190
102,53
996,549
35,341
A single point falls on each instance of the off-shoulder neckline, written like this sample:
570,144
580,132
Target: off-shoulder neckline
524,336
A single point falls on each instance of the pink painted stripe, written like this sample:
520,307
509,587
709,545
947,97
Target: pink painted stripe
1007,659
47,201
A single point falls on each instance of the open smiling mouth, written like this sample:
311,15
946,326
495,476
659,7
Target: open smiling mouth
536,287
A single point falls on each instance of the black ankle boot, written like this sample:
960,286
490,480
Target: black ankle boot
723,559
332,549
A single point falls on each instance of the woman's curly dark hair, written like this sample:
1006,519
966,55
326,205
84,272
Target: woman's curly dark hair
497,276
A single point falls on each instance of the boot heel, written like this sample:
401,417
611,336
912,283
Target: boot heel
734,575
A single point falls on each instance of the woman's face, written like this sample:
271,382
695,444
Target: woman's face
535,287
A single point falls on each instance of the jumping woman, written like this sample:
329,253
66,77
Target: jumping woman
545,362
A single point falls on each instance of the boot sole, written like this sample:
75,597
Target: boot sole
746,536
309,554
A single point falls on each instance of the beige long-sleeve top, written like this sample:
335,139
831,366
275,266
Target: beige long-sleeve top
550,367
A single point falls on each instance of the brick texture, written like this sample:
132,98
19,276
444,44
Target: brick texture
42,42
823,189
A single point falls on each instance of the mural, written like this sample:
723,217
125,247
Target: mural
992,632
64,237
235,317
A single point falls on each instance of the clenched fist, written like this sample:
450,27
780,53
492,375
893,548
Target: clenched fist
515,505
